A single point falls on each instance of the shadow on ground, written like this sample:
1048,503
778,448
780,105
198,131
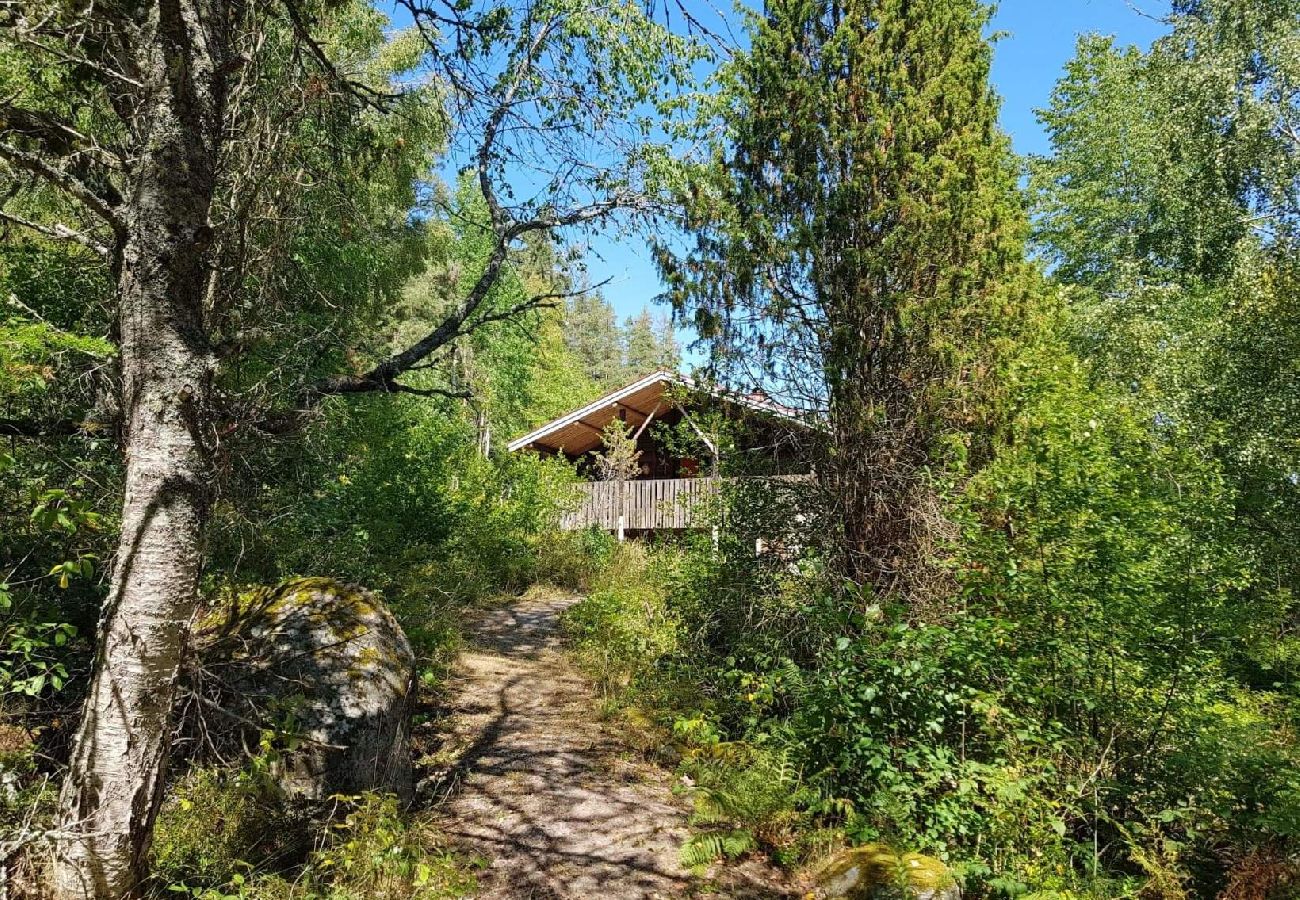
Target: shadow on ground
536,785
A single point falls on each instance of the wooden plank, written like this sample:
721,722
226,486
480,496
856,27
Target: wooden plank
662,503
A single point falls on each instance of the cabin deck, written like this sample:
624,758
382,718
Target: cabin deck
660,504
657,504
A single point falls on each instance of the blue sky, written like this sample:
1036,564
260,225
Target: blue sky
1039,39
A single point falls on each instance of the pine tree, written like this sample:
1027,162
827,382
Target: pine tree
857,243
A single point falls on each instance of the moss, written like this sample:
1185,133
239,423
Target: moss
340,607
926,872
343,611
878,871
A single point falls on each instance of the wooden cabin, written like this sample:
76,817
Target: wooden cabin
670,489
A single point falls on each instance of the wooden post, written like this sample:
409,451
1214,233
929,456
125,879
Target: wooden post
620,528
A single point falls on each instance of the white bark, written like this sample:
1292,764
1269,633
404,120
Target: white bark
113,786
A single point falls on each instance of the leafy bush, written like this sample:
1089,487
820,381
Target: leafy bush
573,559
378,853
221,837
396,496
745,798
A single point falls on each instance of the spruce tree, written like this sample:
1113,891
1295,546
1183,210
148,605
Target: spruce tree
858,236
648,344
591,334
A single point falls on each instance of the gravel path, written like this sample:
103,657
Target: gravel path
559,806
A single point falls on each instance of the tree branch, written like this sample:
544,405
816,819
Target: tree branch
31,428
506,225
539,301
67,182
363,93
59,232
431,392
56,136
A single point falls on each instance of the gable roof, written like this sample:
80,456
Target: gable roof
582,429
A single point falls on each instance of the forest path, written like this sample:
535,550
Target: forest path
558,805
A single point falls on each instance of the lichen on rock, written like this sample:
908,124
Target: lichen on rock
878,872
327,662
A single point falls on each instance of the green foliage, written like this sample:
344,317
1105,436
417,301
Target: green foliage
574,559
745,798
217,826
620,460
54,526
1068,717
611,356
30,655
623,628
33,355
377,853
395,493
710,846
648,345
38,643
858,250
1098,699
1164,519
221,837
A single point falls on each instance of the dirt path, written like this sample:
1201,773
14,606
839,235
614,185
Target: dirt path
560,806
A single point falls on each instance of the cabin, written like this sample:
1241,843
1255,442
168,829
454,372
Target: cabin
675,479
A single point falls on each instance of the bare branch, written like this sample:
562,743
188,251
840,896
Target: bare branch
55,135
60,232
539,301
65,181
31,428
431,392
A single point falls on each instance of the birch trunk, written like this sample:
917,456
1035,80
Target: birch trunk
113,786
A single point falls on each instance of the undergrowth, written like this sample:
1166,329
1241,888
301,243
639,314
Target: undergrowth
802,721
222,836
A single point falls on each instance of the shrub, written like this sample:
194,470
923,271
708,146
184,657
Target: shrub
378,853
574,559
745,798
624,628
220,838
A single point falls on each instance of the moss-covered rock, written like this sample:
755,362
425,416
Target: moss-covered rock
878,872
326,665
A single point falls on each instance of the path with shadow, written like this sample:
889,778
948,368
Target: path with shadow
537,786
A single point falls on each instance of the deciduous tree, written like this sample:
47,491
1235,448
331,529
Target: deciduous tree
165,106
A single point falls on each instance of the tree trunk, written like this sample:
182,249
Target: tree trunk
113,786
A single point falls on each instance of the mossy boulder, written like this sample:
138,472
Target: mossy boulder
327,670
878,872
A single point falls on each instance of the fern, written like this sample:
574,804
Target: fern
710,846
745,798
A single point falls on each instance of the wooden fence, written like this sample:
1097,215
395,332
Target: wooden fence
666,503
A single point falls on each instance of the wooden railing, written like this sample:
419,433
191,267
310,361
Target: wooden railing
663,504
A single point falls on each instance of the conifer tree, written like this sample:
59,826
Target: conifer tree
858,239
648,344
592,336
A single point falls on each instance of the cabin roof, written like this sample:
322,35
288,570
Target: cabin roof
582,429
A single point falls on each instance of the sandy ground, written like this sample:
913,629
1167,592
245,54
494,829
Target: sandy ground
536,785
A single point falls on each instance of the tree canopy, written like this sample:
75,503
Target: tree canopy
280,282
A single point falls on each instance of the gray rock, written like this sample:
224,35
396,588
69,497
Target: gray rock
328,663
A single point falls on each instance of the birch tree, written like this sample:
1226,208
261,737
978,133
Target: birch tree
138,148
